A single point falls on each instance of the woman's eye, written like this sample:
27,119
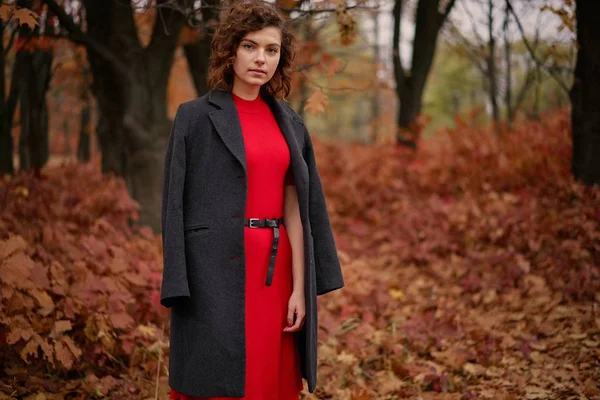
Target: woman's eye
273,51
247,46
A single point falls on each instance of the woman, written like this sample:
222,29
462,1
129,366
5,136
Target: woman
247,240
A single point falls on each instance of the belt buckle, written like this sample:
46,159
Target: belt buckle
250,221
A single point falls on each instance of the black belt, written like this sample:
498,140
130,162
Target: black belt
268,223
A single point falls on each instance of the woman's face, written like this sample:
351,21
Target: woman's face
256,59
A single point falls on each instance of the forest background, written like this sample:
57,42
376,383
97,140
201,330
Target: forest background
458,142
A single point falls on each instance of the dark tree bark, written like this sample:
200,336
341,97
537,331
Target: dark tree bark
83,145
34,66
585,95
491,64
9,105
85,134
508,74
198,53
33,142
198,58
410,85
6,143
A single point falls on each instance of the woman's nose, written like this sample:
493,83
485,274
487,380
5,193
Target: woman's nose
260,57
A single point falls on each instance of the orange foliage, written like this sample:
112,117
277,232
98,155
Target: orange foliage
470,268
79,285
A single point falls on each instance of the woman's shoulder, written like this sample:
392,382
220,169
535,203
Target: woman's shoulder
197,106
195,111
291,112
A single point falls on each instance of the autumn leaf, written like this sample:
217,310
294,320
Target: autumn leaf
396,294
11,245
5,12
286,3
66,352
31,348
331,62
317,102
121,320
26,17
20,328
60,327
15,271
464,262
45,302
63,354
333,67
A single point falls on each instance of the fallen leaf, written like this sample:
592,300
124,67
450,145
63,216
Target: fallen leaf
474,369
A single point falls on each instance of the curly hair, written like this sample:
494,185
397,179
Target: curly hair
241,18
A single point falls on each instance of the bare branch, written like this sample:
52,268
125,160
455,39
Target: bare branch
11,40
446,12
471,53
480,40
560,82
338,89
77,35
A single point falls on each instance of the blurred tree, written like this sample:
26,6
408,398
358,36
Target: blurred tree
8,102
130,83
343,75
34,62
585,94
197,46
540,63
85,129
455,86
131,65
29,81
411,84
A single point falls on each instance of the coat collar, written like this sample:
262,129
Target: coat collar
226,121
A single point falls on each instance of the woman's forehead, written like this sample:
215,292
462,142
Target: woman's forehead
265,36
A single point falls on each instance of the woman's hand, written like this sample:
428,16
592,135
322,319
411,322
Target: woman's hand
297,307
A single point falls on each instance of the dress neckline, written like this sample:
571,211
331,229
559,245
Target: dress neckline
249,106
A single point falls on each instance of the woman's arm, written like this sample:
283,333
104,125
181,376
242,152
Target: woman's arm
174,288
293,225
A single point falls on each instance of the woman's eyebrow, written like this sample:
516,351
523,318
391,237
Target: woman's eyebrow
270,44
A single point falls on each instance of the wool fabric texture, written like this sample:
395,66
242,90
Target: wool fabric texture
272,363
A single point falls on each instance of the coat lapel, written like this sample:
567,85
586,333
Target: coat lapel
285,122
227,124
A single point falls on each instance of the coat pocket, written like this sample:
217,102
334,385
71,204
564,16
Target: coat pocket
194,230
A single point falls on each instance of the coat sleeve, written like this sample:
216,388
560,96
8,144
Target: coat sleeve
174,287
327,263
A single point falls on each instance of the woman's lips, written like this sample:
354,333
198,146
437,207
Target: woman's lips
258,71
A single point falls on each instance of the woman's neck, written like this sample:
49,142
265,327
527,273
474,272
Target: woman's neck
246,92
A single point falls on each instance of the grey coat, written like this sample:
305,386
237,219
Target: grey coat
203,212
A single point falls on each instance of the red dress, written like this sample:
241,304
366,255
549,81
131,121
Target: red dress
272,360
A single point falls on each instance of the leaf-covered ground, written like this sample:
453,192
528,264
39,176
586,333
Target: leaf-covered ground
471,268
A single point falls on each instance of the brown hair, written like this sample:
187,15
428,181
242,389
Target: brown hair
243,17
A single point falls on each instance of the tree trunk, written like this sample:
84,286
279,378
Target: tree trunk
375,121
83,146
132,97
491,65
34,143
507,60
585,95
198,53
410,86
6,144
